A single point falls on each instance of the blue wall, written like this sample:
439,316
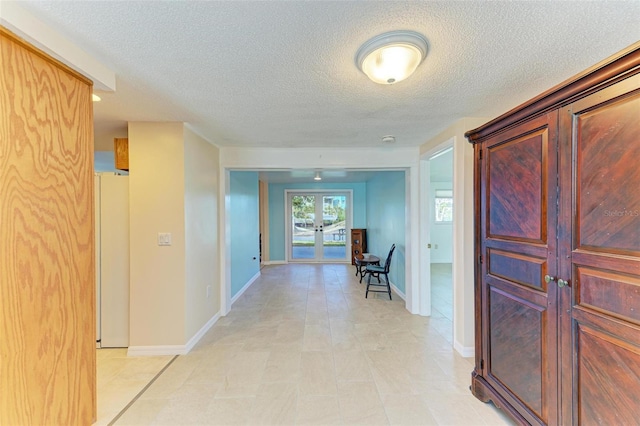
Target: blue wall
277,210
245,230
386,213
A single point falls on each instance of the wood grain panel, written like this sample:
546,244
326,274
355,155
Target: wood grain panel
608,145
47,296
517,268
610,292
121,153
599,252
516,348
609,379
517,189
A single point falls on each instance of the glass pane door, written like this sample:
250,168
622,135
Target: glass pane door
304,228
334,235
318,228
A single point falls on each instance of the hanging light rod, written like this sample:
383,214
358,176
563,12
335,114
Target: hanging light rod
317,176
392,57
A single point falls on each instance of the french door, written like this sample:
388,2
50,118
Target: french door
318,225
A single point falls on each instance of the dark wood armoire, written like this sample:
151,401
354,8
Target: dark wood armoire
557,196
358,244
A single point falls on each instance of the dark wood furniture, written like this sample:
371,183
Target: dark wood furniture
358,244
376,271
361,264
557,187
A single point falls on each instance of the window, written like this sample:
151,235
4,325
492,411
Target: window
444,205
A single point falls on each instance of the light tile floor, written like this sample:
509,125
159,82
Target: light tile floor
121,378
442,291
303,346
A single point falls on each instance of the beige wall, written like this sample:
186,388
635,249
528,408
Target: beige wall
156,197
201,202
463,271
173,187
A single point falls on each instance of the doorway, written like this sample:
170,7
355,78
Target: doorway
441,233
319,224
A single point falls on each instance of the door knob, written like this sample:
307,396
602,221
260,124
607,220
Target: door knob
549,278
562,283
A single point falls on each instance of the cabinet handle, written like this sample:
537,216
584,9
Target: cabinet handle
563,283
549,278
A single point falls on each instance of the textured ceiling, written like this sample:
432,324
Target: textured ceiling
282,73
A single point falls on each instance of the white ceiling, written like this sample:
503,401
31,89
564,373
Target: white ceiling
282,73
307,176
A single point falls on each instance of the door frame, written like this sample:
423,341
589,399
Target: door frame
348,223
425,227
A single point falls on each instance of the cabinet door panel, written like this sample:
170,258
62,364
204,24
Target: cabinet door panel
517,188
516,330
518,213
599,402
600,220
608,176
518,268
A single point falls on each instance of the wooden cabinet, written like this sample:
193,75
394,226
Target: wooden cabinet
121,153
558,249
358,244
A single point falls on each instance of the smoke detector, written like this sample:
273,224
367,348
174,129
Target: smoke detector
388,139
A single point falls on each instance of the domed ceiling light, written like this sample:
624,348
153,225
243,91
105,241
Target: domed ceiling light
392,57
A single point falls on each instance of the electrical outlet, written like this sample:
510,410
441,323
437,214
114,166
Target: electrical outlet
164,238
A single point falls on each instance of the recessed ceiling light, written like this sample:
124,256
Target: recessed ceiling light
95,98
388,139
392,57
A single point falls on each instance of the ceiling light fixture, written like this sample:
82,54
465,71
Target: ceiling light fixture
95,98
317,176
392,57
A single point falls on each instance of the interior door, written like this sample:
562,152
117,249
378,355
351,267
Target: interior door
600,221
319,225
518,215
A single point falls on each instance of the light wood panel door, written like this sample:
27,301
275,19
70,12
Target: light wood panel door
518,240
47,265
600,222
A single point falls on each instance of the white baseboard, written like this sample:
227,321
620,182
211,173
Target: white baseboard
465,351
274,262
398,292
173,349
246,286
200,334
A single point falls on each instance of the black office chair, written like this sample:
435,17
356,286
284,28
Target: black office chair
375,271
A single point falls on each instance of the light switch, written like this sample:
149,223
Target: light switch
164,238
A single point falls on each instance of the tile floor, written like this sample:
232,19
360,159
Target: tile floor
303,346
442,291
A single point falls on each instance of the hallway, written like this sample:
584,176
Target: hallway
303,346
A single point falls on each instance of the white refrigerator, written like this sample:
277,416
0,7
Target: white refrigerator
112,260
